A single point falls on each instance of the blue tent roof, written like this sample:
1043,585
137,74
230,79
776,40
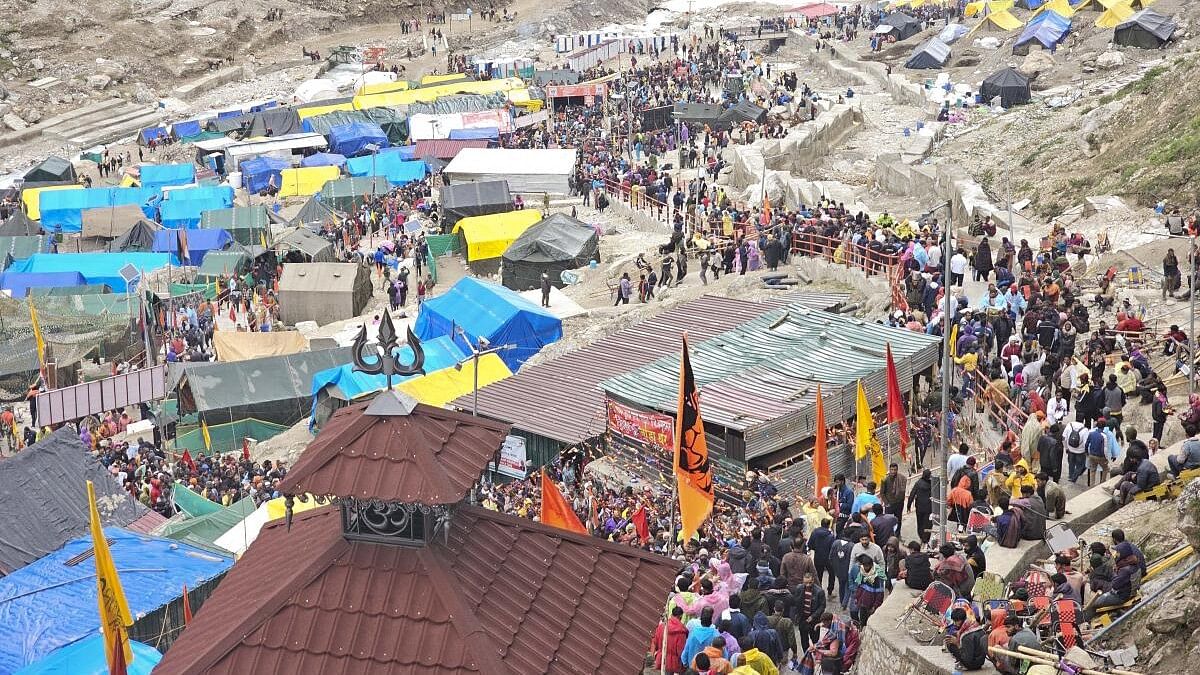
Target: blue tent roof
390,165
257,172
440,352
1047,29
405,151
96,268
491,133
158,175
186,129
20,283
87,657
353,138
490,311
150,133
62,210
182,208
49,603
199,243
324,159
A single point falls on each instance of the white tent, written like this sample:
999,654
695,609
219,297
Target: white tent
315,90
372,77
527,171
240,536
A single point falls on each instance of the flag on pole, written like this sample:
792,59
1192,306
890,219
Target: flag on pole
204,433
895,403
262,237
556,512
114,610
37,332
953,342
821,449
246,449
640,524
187,607
865,442
186,458
693,472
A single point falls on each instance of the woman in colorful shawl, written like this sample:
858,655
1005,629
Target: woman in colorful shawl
829,649
868,594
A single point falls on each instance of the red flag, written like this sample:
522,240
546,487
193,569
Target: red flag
639,523
246,449
187,459
821,449
556,512
118,666
232,314
895,403
187,607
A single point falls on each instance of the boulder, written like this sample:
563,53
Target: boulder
1175,614
37,64
32,116
12,121
99,82
1110,60
1036,62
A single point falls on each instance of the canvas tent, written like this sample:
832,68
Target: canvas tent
903,25
931,55
315,214
1061,7
699,115
222,263
246,224
487,237
233,346
527,171
474,199
1047,29
344,194
52,170
310,247
743,111
557,243
997,22
1115,15
490,311
140,237
1147,29
1010,85
20,225
323,292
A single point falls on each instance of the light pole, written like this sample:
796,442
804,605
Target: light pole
946,369
481,348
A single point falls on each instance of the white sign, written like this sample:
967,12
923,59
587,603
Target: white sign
512,457
460,17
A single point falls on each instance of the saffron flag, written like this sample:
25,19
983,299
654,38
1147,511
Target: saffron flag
693,471
37,332
186,458
114,610
865,442
556,512
204,433
821,449
895,404
640,524
187,607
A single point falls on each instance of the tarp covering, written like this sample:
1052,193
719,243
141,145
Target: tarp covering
187,129
246,224
344,194
199,243
52,603
475,199
315,248
184,208
233,346
20,225
31,198
19,284
140,237
903,25
323,159
110,222
223,263
228,437
309,91
997,22
257,172
1115,15
490,311
353,138
192,504
274,388
347,384
210,526
158,175
440,387
432,93
88,657
44,507
389,165
527,171
743,111
951,33
393,122
306,181
62,210
53,169
323,292
1010,85
933,54
1047,29
1147,29
96,268
699,114
19,247
489,133
557,243
487,237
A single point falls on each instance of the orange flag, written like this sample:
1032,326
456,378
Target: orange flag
693,472
187,607
821,450
556,512
895,403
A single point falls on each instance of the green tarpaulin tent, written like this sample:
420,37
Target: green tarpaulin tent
246,224
227,437
344,194
222,263
191,503
208,527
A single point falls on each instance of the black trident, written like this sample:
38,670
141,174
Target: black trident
387,362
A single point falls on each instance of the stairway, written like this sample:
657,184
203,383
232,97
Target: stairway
101,122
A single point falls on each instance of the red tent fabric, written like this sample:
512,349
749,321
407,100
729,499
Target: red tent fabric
815,11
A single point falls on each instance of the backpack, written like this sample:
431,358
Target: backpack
1073,440
1103,446
973,648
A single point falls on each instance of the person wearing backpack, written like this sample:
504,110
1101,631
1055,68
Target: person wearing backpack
1097,452
1074,439
968,644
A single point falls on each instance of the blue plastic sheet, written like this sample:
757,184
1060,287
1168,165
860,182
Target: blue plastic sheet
1047,29
96,268
158,175
258,171
490,311
87,657
62,210
199,243
19,283
491,133
150,133
353,138
323,159
186,129
390,165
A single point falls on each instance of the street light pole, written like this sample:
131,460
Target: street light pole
946,369
480,348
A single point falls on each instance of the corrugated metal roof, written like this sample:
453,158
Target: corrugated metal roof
447,148
760,378
561,399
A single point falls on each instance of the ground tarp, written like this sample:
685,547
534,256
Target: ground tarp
96,268
487,237
344,194
931,55
490,311
45,506
323,292
52,170
306,181
198,243
389,165
159,175
1147,29
552,245
52,602
235,346
474,199
246,224
259,173
1011,86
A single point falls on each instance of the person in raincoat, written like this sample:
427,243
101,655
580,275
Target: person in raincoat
1019,476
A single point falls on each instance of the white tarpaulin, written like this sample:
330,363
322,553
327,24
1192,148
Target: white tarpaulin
424,127
315,90
527,171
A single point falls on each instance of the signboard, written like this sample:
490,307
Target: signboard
374,53
599,89
92,398
531,119
460,17
655,429
512,457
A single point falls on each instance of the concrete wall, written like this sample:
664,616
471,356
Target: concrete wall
803,147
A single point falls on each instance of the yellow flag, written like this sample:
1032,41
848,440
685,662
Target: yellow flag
114,610
954,341
262,237
37,332
204,433
218,296
865,442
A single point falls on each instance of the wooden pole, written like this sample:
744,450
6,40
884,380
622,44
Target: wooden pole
1047,659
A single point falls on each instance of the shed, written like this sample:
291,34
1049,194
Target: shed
1147,29
323,292
549,247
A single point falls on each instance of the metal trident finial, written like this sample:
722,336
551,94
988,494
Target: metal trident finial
387,362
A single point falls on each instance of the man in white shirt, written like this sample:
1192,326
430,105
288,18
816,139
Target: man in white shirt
956,461
935,257
958,268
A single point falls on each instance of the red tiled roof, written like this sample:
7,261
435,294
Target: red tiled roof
503,596
447,149
148,522
431,456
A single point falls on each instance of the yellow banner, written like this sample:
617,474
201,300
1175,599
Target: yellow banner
114,610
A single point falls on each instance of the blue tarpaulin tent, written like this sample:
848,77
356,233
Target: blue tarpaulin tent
187,129
491,133
52,603
353,138
150,133
1048,29
390,165
257,172
62,210
182,208
96,268
323,159
199,243
19,283
264,106
490,311
229,113
87,657
405,151
158,175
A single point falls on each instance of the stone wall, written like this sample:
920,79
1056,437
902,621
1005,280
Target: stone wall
804,146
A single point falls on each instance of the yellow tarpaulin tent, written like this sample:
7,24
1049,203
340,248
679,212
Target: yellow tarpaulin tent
313,111
306,181
974,8
428,94
521,99
381,87
233,346
31,196
1061,7
488,236
438,79
1114,16
442,386
997,22
129,181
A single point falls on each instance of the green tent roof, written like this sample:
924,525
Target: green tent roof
221,263
191,503
209,527
244,223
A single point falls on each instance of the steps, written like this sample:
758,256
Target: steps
100,123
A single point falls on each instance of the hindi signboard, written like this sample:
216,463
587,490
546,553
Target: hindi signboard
654,429
512,457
